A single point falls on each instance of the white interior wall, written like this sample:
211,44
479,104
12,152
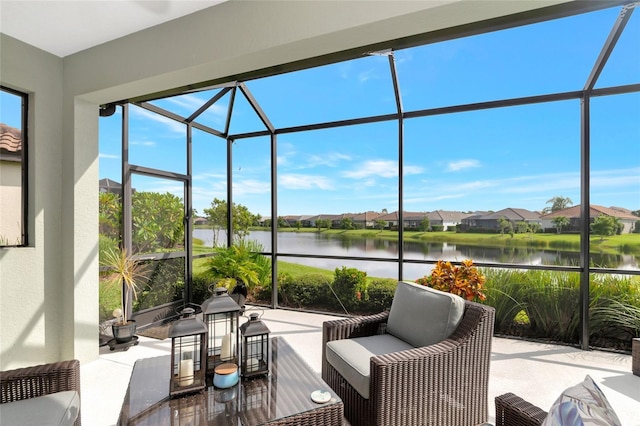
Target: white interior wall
30,277
49,291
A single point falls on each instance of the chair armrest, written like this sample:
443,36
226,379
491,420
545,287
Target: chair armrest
39,380
511,410
347,328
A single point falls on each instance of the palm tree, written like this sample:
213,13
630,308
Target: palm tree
557,203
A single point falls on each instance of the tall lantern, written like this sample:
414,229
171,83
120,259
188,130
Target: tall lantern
221,317
255,347
188,354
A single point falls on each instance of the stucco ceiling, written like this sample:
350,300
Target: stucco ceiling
67,27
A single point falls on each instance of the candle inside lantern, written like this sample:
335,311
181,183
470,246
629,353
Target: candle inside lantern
185,373
253,365
227,347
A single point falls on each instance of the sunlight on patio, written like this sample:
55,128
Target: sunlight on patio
537,372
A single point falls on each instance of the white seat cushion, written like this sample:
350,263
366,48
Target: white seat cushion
56,409
422,316
352,357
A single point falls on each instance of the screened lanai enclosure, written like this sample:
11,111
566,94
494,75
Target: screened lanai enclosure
512,143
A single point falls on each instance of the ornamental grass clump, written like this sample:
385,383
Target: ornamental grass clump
465,280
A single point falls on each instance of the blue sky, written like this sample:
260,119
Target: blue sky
484,160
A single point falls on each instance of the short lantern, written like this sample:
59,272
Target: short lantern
188,354
221,317
255,347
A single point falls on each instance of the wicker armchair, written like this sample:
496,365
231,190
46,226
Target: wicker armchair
39,380
442,384
511,410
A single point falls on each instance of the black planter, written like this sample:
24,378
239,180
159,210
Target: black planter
123,333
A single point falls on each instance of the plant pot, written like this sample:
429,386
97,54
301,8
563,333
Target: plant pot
239,295
123,333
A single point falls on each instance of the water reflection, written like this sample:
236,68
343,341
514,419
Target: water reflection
354,246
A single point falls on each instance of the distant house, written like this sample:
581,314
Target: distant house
491,221
625,217
447,219
365,220
110,186
413,220
200,220
392,219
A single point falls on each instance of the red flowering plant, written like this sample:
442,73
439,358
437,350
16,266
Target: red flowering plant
464,280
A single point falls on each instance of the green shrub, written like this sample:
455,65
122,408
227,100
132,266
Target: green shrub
379,295
201,288
437,228
349,286
310,290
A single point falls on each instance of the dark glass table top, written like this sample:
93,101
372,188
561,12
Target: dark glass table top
282,397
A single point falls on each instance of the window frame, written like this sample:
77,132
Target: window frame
24,164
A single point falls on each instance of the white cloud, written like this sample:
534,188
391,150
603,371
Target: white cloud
456,166
330,160
173,125
142,143
214,176
250,186
300,181
364,76
108,156
380,168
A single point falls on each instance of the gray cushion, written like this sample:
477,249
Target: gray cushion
352,357
423,316
56,409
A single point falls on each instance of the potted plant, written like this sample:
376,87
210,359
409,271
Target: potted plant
124,270
464,280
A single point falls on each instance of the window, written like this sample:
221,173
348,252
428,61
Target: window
13,167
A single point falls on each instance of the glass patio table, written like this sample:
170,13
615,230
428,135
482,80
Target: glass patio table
281,398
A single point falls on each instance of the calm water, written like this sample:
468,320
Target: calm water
337,245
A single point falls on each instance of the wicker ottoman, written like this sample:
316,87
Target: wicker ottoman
635,356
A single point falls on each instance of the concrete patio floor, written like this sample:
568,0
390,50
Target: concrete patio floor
537,372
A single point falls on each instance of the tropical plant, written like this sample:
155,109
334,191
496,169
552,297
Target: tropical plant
347,223
241,263
464,280
560,222
126,271
604,226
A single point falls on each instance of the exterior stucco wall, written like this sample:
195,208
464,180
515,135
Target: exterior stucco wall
10,196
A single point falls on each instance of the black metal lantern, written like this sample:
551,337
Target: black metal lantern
188,354
221,317
255,347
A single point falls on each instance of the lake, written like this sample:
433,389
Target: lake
344,245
